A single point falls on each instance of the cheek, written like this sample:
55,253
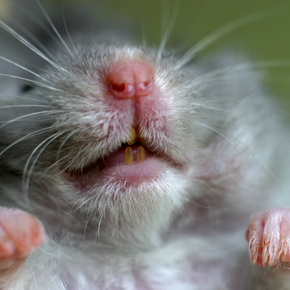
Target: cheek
219,167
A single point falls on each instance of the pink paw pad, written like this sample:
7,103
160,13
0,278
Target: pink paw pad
269,237
20,234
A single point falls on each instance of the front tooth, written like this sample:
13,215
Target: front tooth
140,136
128,156
132,136
141,155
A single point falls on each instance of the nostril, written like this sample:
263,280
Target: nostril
122,91
144,89
130,78
146,84
118,88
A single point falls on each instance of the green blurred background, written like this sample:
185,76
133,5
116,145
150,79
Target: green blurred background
263,39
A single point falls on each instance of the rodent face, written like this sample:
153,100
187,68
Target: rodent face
95,101
165,117
93,127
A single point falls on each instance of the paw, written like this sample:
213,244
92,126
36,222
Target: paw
20,234
269,237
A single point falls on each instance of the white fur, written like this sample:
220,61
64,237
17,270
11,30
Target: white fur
185,228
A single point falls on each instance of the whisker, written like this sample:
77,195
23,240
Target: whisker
26,174
165,28
35,40
31,81
29,115
55,163
22,98
66,28
168,30
37,21
215,75
72,161
54,28
220,32
22,67
62,144
215,109
58,152
199,204
86,225
99,226
87,200
145,31
22,106
30,46
37,132
212,73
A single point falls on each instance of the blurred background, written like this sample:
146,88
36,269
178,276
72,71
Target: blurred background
263,39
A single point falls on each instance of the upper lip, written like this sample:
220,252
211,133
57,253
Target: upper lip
140,147
130,152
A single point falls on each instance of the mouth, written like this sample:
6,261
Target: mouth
131,152
130,165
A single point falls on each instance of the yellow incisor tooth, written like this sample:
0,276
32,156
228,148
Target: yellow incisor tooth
140,136
141,155
128,156
131,139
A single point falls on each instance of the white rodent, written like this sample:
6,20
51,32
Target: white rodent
129,167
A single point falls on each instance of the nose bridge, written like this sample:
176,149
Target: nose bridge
130,78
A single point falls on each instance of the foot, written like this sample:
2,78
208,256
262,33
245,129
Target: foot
20,234
269,237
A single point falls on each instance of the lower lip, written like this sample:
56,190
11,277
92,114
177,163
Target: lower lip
125,175
136,172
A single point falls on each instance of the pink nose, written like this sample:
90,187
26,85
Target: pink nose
130,79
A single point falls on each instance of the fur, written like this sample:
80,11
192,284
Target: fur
213,125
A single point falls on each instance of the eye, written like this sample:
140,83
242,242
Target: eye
26,88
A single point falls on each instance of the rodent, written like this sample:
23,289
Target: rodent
128,167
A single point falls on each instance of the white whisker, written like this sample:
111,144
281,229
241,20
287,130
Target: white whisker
30,46
54,28
26,174
87,200
36,41
24,106
165,27
99,225
72,161
220,32
86,225
62,144
31,81
22,98
55,163
66,28
29,115
37,132
215,109
212,73
22,67
37,21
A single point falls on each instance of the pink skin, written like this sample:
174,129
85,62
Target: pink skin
20,234
130,78
269,237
